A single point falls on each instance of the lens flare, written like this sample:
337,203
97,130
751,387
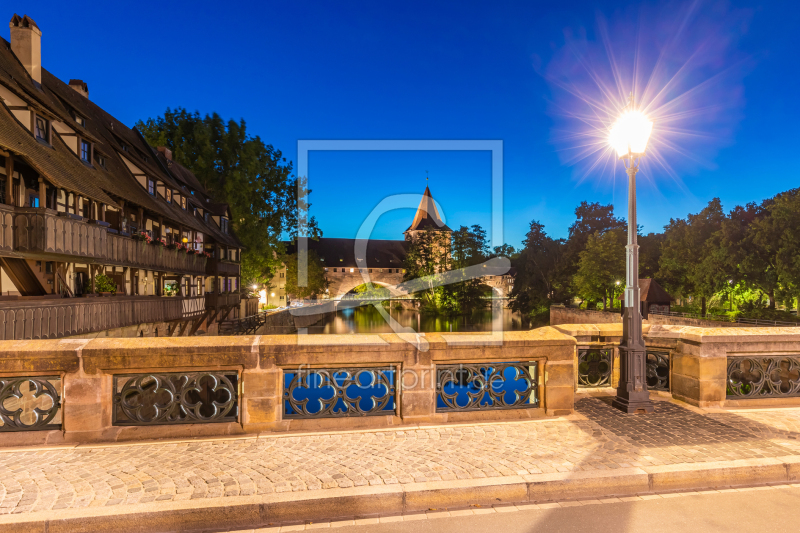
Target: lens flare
685,73
630,133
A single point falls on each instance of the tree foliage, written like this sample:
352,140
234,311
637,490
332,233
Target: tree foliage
315,276
240,170
601,267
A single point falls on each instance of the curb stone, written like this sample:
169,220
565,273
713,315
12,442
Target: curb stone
360,502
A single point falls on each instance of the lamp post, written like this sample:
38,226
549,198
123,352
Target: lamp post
628,137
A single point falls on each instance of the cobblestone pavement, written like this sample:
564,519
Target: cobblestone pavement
34,480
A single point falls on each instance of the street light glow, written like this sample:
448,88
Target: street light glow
630,133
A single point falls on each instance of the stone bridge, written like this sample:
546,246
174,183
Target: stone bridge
340,283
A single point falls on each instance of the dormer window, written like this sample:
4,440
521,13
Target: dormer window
86,151
151,187
101,160
223,224
80,120
205,217
42,129
169,195
124,147
183,202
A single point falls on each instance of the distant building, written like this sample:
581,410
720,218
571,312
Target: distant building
654,299
81,195
384,259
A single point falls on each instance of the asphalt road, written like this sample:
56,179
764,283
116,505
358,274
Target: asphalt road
773,510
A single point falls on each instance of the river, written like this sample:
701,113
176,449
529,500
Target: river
367,319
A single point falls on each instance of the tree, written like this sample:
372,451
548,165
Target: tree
427,257
504,250
694,260
316,276
541,275
649,254
601,266
240,170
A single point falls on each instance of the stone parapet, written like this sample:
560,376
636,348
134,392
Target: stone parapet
87,370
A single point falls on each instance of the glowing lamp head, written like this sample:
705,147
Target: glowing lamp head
630,133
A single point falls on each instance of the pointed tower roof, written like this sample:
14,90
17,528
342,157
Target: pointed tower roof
427,215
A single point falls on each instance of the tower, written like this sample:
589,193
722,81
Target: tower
427,217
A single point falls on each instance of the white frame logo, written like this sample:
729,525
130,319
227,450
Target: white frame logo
494,267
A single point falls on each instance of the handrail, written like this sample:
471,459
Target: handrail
64,284
243,326
752,321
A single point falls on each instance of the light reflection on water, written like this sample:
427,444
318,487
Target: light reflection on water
367,319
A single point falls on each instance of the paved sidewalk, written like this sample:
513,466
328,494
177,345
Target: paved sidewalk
597,438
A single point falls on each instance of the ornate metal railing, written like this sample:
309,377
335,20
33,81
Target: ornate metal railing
175,398
30,403
595,366
339,392
763,376
657,370
486,386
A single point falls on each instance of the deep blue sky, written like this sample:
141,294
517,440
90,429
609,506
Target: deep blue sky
438,70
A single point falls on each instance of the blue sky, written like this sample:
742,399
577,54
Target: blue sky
451,70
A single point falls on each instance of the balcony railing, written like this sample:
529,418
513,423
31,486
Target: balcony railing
44,231
214,300
221,267
49,318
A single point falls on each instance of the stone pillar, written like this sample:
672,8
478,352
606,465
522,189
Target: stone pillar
103,212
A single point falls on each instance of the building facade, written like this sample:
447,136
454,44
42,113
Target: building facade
86,204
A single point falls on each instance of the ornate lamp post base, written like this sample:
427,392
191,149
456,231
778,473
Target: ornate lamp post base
632,395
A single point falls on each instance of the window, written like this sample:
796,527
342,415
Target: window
124,147
100,159
370,271
205,216
151,186
351,270
183,202
168,192
80,120
283,274
42,129
333,270
86,150
33,200
223,223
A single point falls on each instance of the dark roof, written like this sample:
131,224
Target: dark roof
61,166
427,216
651,292
341,252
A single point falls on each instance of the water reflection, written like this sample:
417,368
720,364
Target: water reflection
367,319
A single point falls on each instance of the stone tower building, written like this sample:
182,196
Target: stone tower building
427,217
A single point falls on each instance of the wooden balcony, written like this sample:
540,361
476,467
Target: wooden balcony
219,301
49,318
221,267
44,231
126,251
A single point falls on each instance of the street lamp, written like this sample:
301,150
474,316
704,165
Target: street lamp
628,137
